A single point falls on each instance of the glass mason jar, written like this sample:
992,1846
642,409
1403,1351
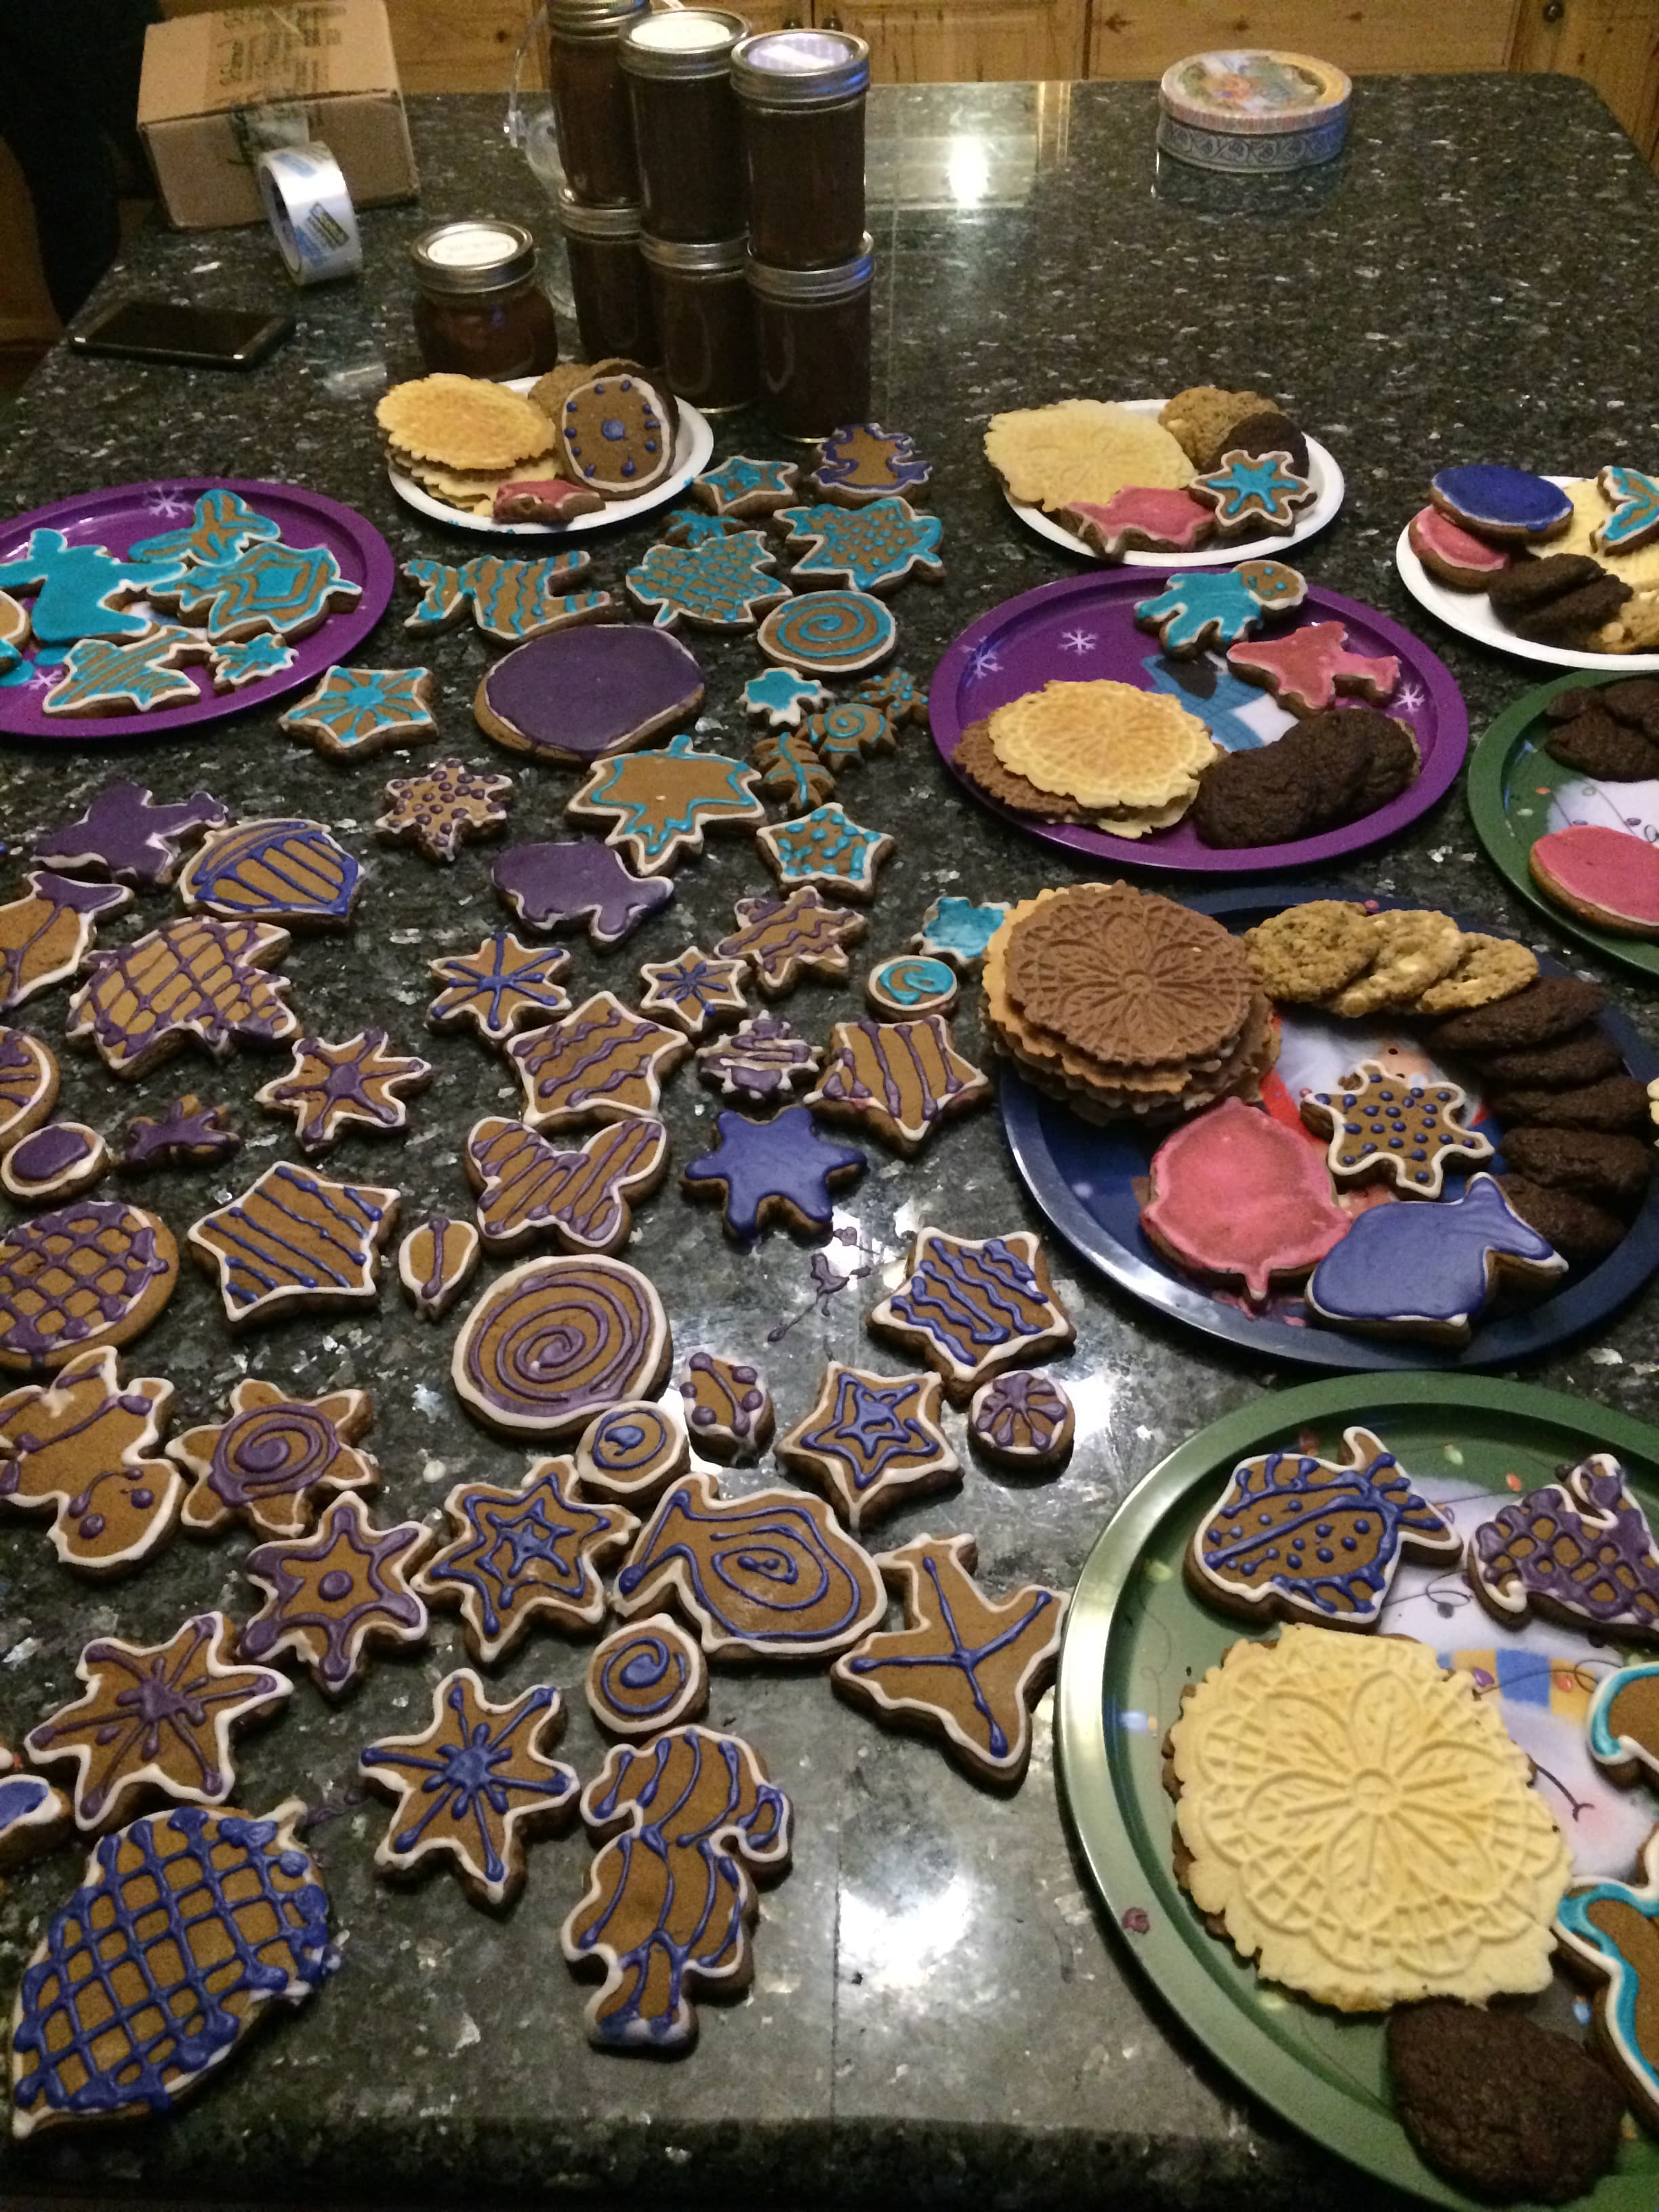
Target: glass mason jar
685,121
479,310
608,282
590,98
812,330
802,94
705,320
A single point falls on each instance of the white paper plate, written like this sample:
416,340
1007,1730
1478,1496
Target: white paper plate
1471,613
694,442
1325,475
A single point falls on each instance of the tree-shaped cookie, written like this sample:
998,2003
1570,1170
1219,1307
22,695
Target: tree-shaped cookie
1580,1551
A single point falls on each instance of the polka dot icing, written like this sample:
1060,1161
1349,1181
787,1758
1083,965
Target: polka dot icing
1379,1125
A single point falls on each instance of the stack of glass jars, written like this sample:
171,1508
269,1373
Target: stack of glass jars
600,209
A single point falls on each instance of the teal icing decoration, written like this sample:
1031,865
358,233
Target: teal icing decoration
1220,606
1612,1744
1626,1954
826,847
286,589
76,586
741,483
870,548
723,583
912,983
1634,498
224,527
240,661
781,699
959,930
143,673
694,525
1262,488
510,600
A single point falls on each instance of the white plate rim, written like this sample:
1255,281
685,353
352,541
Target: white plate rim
1470,614
694,443
1327,473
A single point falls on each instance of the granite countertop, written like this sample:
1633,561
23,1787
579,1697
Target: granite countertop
937,2007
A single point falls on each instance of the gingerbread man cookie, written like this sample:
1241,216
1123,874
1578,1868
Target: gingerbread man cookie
333,1595
861,462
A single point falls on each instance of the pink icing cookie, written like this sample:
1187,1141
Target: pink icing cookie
1161,521
1237,1195
1456,555
1305,670
1609,876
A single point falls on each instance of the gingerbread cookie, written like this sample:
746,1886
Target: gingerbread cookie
874,547
826,847
771,1575
555,885
174,1897
763,1058
848,733
1634,499
1623,1728
332,1087
336,1594
1604,875
1431,1271
631,1452
189,1134
553,1342
58,1161
781,699
543,499
1023,1421
436,1261
582,1198
28,1085
275,1458
500,989
1208,607
508,600
970,1307
1306,671
237,661
34,1818
741,486
580,695
693,989
1453,555
601,1063
1253,492
1388,1127
672,1921
124,833
779,937
1141,519
910,983
615,437
870,1443
80,591
520,1556
448,807
1509,505
1580,1551
46,935
287,870
728,1407
861,462
194,978
646,1677
292,1240
835,633
223,526
724,583
782,1170
963,1669
791,769
659,803
78,1447
901,1078
155,1718
1606,1932
288,589
351,713
1238,1197
96,1271
473,1786
960,931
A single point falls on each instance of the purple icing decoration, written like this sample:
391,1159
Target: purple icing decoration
272,1451
76,1233
744,1402
522,1546
788,1160
373,1551
630,1439
552,886
643,1674
50,1152
270,870
762,1060
969,1305
21,1797
56,895
555,1341
839,463
1609,1574
582,693
125,833
1503,499
1424,1261
1014,1402
766,1573
178,1135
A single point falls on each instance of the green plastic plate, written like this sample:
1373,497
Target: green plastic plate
1136,1635
1509,782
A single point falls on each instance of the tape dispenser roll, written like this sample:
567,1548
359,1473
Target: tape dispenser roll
311,213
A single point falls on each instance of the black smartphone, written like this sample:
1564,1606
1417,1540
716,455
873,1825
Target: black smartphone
197,337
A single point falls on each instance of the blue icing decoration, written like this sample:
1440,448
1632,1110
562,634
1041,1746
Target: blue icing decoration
1617,1747
741,478
873,1431
641,1674
159,1893
826,846
787,1163
958,930
273,586
835,633
1509,500
465,1782
22,1797
1238,715
1634,499
76,584
1260,488
273,871
721,583
870,546
781,698
224,526
913,981
1220,606
694,525
243,660
520,1553
854,454
1609,1926
1427,1266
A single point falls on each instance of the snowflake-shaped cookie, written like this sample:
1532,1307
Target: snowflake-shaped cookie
695,989
1405,1129
1245,489
781,699
331,1086
762,1059
659,803
501,987
238,660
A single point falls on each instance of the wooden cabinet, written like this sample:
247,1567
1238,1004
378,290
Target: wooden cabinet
1613,43
934,41
1141,37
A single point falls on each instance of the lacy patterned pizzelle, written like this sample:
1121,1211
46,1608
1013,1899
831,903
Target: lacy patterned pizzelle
187,1926
331,1088
1387,1127
723,584
474,1786
1609,1931
294,1238
436,1260
779,937
1298,1537
695,990
1361,1824
659,803
632,1452
1579,1551
582,1198
97,1271
972,1306
524,1556
644,1677
690,1820
270,1463
124,833
771,1575
47,934
352,713
553,1342
78,1447
900,1079
155,1718
500,989
333,1595
602,1062
283,870
448,806
870,1443
195,980
963,1667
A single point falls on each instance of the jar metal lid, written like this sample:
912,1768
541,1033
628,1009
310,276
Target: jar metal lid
593,19
813,287
723,257
578,220
799,69
682,42
1255,92
477,254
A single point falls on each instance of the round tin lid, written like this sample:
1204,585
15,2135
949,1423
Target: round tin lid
814,288
472,256
576,219
721,256
799,68
682,42
1254,91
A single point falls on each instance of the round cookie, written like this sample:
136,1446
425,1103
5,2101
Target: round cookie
1453,555
1268,795
1267,431
1545,1011
1200,418
1309,951
615,435
829,633
1022,1421
577,695
1614,1169
1597,746
631,1451
59,1161
911,984
1607,877
1510,505
1488,969
553,1342
975,757
647,1676
1413,947
728,1407
96,1271
1582,1056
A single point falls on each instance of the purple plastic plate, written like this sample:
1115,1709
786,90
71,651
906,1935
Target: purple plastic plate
1084,628
117,518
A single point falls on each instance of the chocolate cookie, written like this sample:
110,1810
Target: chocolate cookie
1574,614
1581,1231
1337,758
1269,432
1499,2105
976,758
1530,584
1268,796
1614,1170
1634,702
1617,1102
1580,1057
1595,745
1542,1012
1392,759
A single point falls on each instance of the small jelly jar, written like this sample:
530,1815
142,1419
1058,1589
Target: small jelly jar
685,121
589,97
609,282
479,310
802,95
813,332
705,320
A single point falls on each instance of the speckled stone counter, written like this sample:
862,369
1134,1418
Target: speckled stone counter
938,2010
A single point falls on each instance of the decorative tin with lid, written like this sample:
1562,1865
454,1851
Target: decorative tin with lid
1253,111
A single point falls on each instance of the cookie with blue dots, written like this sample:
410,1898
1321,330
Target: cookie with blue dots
1400,1129
616,436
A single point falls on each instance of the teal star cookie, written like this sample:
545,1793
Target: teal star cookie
826,847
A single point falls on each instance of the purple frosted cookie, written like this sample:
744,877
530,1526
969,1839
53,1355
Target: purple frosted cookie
56,1162
124,833
556,885
1509,505
1022,1421
781,1170
579,695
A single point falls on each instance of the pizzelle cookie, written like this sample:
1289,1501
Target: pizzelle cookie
1082,449
1102,744
464,422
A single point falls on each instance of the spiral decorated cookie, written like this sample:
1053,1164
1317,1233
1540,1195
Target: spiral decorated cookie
848,731
579,694
1509,505
1453,555
294,1239
436,1261
728,1407
553,1342
631,1452
29,1084
647,1677
1023,1421
829,634
972,1306
911,984
331,1596
615,436
56,1162
1388,1127
95,1272
275,1459
286,871
519,1556
870,1443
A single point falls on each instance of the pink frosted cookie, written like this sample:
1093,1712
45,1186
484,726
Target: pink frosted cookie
1160,521
1305,670
1238,1196
1453,555
1607,876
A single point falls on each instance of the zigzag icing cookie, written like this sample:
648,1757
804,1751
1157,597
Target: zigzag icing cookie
582,1198
971,1306
508,600
290,589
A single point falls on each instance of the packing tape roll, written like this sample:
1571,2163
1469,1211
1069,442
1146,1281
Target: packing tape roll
311,213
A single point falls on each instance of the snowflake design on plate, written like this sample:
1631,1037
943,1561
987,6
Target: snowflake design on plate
1079,640
983,661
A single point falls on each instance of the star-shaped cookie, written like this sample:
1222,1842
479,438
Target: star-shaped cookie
901,1079
872,1442
450,805
353,712
826,847
741,486
973,1305
294,1238
273,1458
783,1168
695,989
603,1062
659,803
501,987
331,1087
332,1595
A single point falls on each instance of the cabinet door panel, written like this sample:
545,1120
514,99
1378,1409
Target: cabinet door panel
1141,37
974,41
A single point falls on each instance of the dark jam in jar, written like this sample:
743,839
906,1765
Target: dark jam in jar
590,97
802,94
480,311
812,330
607,281
705,320
685,121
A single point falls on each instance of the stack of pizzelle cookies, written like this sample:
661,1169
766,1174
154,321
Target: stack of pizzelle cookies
1124,759
1125,1004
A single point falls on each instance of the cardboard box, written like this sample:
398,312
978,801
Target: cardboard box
218,89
